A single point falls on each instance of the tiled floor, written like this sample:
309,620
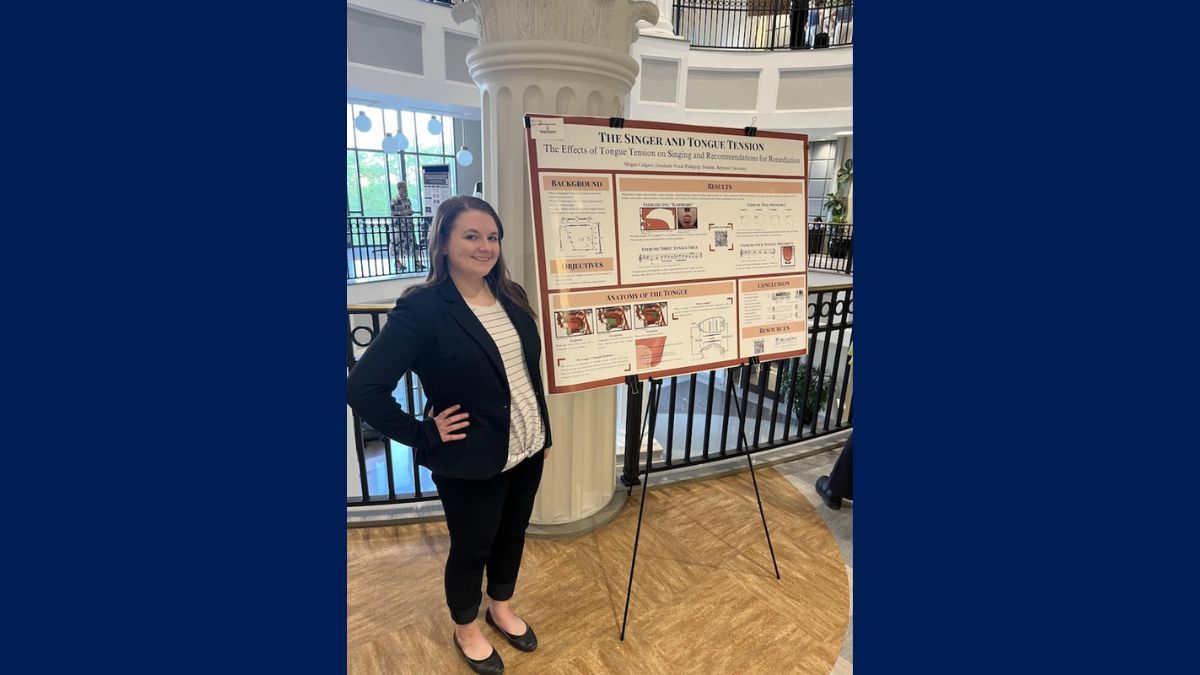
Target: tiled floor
394,622
703,575
803,473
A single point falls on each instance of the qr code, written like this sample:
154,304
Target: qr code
721,238
758,347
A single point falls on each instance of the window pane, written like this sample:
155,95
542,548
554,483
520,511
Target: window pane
395,174
371,176
814,209
414,183
428,143
410,129
389,122
373,180
426,160
353,203
373,139
448,137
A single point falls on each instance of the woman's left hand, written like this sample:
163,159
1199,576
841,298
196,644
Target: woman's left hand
546,454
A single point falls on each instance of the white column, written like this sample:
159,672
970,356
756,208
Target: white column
566,57
663,28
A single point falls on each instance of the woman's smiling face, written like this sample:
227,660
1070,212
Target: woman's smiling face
474,245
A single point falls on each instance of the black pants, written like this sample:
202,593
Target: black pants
841,479
487,521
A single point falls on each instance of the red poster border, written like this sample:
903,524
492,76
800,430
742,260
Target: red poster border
540,258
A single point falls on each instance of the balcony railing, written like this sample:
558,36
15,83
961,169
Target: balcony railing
695,420
765,24
386,246
831,247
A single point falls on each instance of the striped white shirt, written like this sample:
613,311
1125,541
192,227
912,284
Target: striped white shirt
526,434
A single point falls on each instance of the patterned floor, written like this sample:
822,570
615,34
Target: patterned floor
705,596
803,473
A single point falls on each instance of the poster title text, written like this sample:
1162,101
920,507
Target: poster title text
685,142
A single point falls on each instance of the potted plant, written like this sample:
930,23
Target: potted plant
845,175
837,203
797,381
839,237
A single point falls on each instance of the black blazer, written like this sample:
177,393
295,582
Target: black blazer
435,334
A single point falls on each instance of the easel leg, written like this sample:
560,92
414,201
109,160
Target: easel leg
753,478
651,414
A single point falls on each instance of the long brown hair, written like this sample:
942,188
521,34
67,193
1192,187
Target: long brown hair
502,285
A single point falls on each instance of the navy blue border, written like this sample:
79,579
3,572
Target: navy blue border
176,471
1015,362
175,441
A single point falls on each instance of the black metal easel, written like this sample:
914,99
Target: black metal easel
749,461
651,415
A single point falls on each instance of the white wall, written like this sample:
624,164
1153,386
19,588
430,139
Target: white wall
431,90
809,91
378,292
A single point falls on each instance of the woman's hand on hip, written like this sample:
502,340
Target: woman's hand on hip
447,423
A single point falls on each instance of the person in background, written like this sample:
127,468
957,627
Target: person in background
839,484
401,237
814,21
845,23
828,22
470,335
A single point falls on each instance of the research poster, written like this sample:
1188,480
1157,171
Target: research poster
435,186
665,249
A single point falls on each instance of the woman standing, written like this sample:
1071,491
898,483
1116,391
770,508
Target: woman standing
470,335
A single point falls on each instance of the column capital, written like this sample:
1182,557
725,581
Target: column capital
608,24
663,28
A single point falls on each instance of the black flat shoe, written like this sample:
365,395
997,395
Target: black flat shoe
832,502
526,642
492,665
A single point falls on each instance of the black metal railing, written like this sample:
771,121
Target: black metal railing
695,421
765,24
387,471
707,417
382,246
831,247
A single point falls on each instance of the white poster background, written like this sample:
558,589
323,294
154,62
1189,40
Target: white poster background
665,249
